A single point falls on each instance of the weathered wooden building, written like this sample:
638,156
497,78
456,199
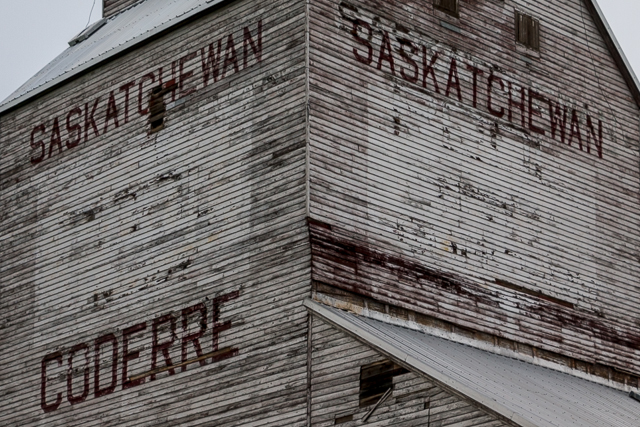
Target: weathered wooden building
321,212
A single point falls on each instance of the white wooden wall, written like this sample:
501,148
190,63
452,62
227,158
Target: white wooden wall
335,382
428,201
127,227
421,200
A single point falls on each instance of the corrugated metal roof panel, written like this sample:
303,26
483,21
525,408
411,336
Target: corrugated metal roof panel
146,18
528,394
130,27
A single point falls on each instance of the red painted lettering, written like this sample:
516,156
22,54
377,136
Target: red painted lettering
575,129
111,339
368,59
519,105
409,60
112,113
74,128
429,69
89,120
230,57
37,144
218,326
127,89
105,354
185,76
533,95
476,72
164,347
454,80
256,47
171,83
49,407
591,133
599,140
85,379
142,100
386,54
56,139
194,337
558,120
492,78
210,63
128,356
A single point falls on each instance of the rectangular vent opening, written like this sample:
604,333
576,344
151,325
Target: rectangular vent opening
528,31
376,379
343,419
447,6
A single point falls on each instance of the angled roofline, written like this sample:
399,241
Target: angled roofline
415,365
88,66
592,6
614,48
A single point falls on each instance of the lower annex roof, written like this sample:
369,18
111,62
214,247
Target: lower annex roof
529,395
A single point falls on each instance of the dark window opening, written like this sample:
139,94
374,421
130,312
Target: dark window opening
376,379
448,6
527,31
157,106
343,419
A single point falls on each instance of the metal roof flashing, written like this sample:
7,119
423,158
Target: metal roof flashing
87,32
104,41
528,395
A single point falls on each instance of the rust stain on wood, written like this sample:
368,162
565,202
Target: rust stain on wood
348,264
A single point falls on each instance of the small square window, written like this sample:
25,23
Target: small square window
448,6
527,31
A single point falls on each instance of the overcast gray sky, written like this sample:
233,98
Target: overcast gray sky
33,32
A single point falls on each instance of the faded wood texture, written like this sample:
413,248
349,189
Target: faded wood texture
414,400
113,7
488,213
201,224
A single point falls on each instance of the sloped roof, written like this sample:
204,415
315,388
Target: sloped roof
149,18
529,395
121,32
614,48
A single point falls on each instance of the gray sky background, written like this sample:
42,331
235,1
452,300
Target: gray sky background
33,32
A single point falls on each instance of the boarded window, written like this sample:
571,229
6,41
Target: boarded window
376,379
527,31
157,106
448,6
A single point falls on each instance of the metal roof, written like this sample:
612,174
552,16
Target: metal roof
527,394
120,32
150,17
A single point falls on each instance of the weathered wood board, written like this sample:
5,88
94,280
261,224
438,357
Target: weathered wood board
458,174
164,214
157,278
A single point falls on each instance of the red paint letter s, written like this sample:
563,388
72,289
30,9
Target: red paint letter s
37,144
364,42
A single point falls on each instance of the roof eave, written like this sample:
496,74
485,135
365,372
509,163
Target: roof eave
120,50
614,48
592,5
416,366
